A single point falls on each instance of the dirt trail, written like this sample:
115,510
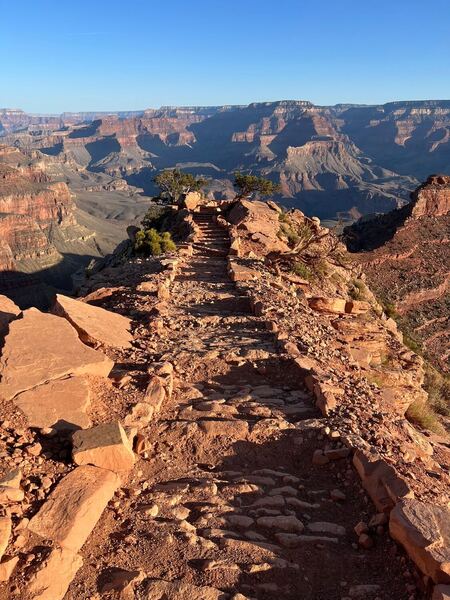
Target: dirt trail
229,496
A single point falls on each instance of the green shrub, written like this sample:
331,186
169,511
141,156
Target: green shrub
357,289
411,343
167,244
438,388
150,243
301,270
156,217
390,310
422,414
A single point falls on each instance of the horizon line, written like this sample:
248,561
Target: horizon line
210,106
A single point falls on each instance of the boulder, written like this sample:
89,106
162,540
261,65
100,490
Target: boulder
51,578
42,347
8,312
423,529
328,305
192,200
105,446
74,506
59,404
95,325
381,481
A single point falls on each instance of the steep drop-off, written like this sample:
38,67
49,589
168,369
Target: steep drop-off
406,255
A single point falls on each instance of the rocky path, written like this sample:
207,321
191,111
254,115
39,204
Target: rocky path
239,492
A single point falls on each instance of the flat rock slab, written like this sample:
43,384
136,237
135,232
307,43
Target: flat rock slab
41,347
95,325
52,577
178,590
74,507
105,446
5,532
60,404
424,531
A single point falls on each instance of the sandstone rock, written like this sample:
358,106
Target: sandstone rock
328,305
192,200
8,312
155,393
42,347
59,404
424,531
74,506
158,589
356,307
319,458
105,446
242,273
10,490
381,481
140,416
7,566
289,523
5,532
325,527
51,578
94,324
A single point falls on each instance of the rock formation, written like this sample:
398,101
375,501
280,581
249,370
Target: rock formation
405,255
237,432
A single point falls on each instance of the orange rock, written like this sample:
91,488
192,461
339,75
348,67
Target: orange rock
381,481
7,566
328,305
52,577
424,531
74,506
94,324
8,312
59,404
5,532
242,273
356,307
41,347
105,446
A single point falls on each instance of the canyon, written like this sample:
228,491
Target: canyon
337,162
211,424
406,256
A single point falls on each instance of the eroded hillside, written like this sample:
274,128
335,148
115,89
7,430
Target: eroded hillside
406,255
212,425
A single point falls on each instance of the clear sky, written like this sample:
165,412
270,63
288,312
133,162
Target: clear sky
69,55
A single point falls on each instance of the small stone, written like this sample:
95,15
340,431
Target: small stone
365,541
319,458
337,495
361,528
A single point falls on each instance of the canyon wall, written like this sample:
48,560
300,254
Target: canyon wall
406,255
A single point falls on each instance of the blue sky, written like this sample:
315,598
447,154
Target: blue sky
99,55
